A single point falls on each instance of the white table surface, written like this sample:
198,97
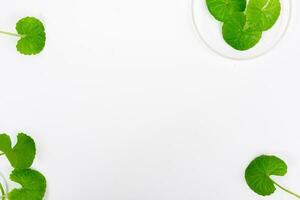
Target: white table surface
126,103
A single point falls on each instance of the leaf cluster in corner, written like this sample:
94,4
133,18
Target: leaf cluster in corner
21,157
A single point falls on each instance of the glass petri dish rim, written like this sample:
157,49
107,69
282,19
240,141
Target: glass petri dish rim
245,58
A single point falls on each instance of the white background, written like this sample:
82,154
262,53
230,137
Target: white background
126,103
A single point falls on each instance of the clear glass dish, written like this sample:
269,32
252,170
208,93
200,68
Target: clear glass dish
210,32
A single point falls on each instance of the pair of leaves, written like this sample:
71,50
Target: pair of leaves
21,157
244,24
261,14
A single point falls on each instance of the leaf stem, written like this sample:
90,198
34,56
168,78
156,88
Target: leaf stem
11,34
2,192
286,190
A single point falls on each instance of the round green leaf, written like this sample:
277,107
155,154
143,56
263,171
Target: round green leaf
263,14
21,156
222,9
33,36
33,185
258,174
238,35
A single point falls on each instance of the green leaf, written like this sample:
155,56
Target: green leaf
21,156
238,35
263,14
259,171
5,143
33,185
222,9
33,36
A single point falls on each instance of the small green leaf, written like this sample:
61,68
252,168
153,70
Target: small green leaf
258,174
21,156
222,9
238,35
5,143
33,36
263,14
33,185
